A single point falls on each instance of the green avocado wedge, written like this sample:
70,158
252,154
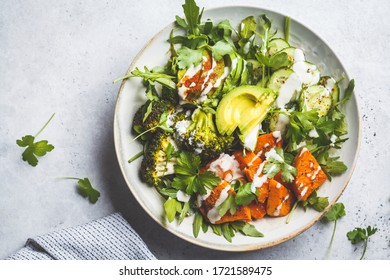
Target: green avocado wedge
244,107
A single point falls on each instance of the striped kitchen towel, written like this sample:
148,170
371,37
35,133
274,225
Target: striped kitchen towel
109,238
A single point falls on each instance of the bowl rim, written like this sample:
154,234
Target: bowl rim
232,247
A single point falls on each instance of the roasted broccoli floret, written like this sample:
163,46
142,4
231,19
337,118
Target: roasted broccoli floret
158,159
199,135
153,118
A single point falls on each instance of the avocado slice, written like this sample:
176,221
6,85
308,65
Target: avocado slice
244,107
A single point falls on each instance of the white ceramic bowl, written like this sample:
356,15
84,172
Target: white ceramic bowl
132,95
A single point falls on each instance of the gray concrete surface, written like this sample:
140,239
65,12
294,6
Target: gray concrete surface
62,57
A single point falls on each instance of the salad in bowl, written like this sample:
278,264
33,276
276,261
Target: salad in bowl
237,126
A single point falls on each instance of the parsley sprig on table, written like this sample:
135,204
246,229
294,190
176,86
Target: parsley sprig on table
335,213
84,187
361,234
35,149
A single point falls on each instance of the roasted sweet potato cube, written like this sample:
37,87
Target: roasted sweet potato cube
249,160
280,200
260,180
309,174
278,178
266,142
242,213
258,210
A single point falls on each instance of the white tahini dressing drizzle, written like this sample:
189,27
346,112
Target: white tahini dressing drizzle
251,139
259,178
287,90
182,196
277,135
225,163
298,55
307,72
272,154
282,123
277,210
313,133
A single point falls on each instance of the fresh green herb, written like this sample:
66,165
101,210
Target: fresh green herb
171,207
227,231
335,213
248,27
287,28
184,212
301,123
276,163
85,189
197,224
347,93
138,155
220,49
193,17
34,149
228,205
188,178
162,125
246,229
245,195
147,75
331,165
187,57
316,202
361,234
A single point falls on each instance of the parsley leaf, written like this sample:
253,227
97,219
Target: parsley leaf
361,234
188,178
187,57
245,195
335,213
331,165
301,123
85,189
34,149
276,162
220,49
316,202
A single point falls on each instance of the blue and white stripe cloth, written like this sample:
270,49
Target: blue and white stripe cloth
109,238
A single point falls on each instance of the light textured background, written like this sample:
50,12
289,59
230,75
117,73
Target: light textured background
62,57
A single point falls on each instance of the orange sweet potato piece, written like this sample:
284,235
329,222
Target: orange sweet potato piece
258,210
278,178
250,160
266,142
280,200
242,214
309,174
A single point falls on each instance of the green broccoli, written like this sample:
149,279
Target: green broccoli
202,137
144,120
158,159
